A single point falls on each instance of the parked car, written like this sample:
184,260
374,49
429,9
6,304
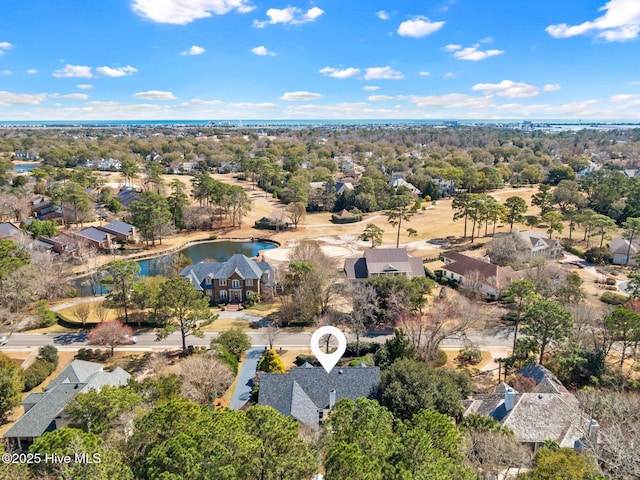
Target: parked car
3,340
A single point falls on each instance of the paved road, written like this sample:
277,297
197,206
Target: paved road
285,339
244,384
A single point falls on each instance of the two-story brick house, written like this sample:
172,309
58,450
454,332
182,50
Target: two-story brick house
231,281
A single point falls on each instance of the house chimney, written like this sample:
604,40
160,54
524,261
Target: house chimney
332,398
509,398
487,258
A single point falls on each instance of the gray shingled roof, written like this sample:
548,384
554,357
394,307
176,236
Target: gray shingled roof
245,267
78,377
95,234
8,229
118,227
304,391
549,412
383,261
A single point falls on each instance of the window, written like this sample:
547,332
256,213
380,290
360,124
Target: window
223,294
223,283
235,283
249,282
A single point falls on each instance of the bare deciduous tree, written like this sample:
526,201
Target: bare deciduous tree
615,445
444,319
204,378
102,311
272,331
82,312
364,310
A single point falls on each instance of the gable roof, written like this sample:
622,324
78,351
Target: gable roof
303,393
92,233
380,261
620,245
78,377
462,265
8,229
118,227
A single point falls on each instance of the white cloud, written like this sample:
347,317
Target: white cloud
262,51
197,102
84,86
551,87
418,27
4,46
424,74
508,88
155,95
289,16
9,98
380,98
449,75
259,106
6,73
76,71
472,53
382,15
182,12
76,96
627,98
452,47
300,96
32,71
194,50
452,100
338,73
116,72
621,21
370,88
382,73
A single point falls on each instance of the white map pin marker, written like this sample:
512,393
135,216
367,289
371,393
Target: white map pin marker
328,360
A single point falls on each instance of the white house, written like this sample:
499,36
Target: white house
538,243
619,248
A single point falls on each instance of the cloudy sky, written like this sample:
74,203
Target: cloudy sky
322,59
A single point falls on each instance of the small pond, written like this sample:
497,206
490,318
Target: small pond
25,167
218,251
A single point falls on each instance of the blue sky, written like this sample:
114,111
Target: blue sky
326,59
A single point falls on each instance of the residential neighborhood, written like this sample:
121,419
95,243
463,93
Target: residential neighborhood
499,311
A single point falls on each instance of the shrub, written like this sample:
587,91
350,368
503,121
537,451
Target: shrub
365,348
302,359
610,281
271,362
49,353
228,358
574,250
612,298
47,317
366,359
469,355
37,372
234,341
440,358
598,255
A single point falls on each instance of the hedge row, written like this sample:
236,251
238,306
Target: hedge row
44,365
341,220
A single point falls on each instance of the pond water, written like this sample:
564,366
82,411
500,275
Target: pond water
212,251
25,167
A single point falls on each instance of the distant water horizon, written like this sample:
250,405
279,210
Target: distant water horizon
316,123
249,123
